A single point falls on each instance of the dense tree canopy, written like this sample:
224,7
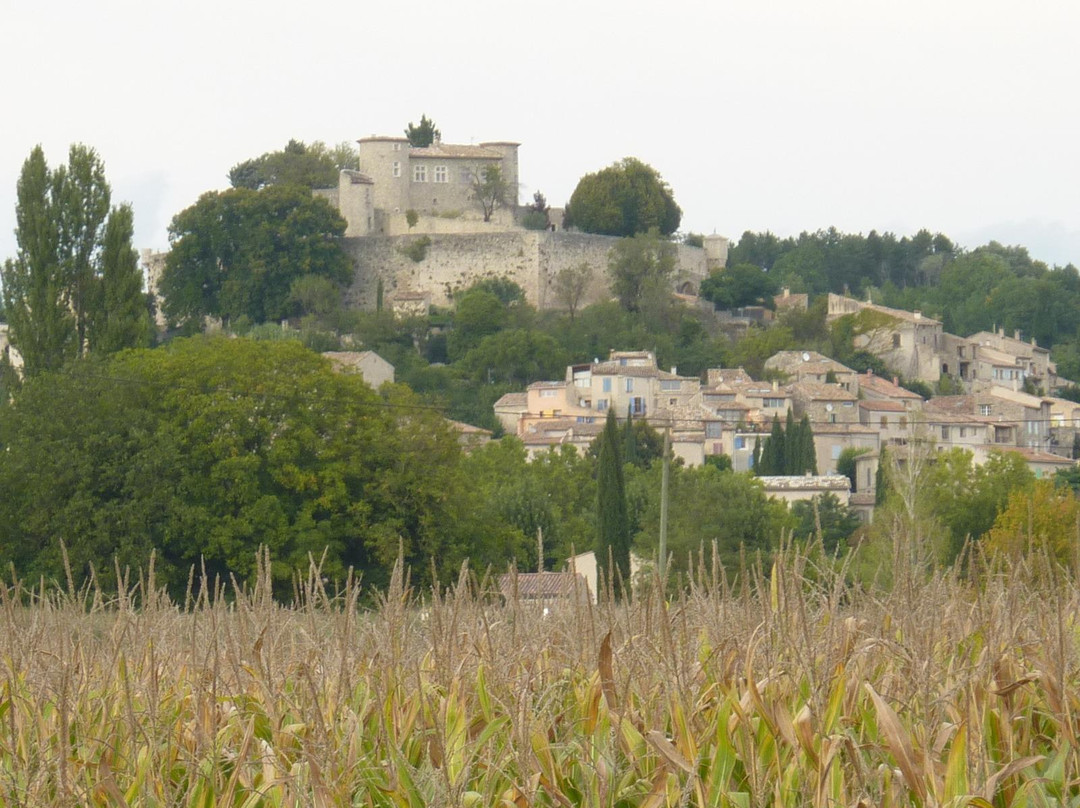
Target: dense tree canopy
238,252
75,284
312,165
623,199
206,449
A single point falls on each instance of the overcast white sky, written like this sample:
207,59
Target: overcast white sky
961,116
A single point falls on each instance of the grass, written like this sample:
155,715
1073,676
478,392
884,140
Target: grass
787,688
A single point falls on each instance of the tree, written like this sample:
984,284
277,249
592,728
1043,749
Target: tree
490,190
75,278
845,464
571,283
423,135
1041,517
312,165
206,449
707,507
623,199
641,268
612,520
123,319
237,253
740,285
824,516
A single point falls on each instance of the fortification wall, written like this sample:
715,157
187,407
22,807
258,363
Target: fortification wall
452,261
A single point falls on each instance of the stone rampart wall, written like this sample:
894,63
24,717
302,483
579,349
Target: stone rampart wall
455,261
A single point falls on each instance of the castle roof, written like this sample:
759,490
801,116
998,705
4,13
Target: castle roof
451,151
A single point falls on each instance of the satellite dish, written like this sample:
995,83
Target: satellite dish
828,408
806,356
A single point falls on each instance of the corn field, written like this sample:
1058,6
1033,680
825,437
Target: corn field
788,687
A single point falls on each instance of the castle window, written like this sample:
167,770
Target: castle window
419,173
440,174
395,168
397,147
466,176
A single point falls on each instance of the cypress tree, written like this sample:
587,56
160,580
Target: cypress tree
881,479
792,446
807,452
756,465
772,455
612,518
630,453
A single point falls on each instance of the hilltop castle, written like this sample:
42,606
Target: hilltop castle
416,232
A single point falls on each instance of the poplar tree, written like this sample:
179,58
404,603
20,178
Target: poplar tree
123,320
41,325
612,518
75,269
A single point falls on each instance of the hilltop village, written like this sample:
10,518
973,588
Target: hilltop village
1001,386
379,351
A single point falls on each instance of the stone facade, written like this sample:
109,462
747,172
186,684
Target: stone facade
454,261
436,182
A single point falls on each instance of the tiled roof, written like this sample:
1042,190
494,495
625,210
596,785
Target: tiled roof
953,404
542,585
615,369
1035,456
818,391
883,387
356,178
447,150
1015,396
882,406
807,482
513,400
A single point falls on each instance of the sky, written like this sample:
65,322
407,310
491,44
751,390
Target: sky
959,116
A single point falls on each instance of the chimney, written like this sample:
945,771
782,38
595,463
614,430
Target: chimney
787,291
918,314
775,385
674,371
1016,335
1033,343
1001,332
896,381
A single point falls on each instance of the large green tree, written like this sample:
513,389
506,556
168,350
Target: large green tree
209,448
238,252
612,520
313,165
623,199
641,268
74,285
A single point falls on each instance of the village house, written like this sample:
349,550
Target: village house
810,366
1000,432
830,440
907,342
375,370
824,403
805,487
891,418
876,388
786,301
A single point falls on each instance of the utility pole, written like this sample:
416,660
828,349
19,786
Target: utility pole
664,504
